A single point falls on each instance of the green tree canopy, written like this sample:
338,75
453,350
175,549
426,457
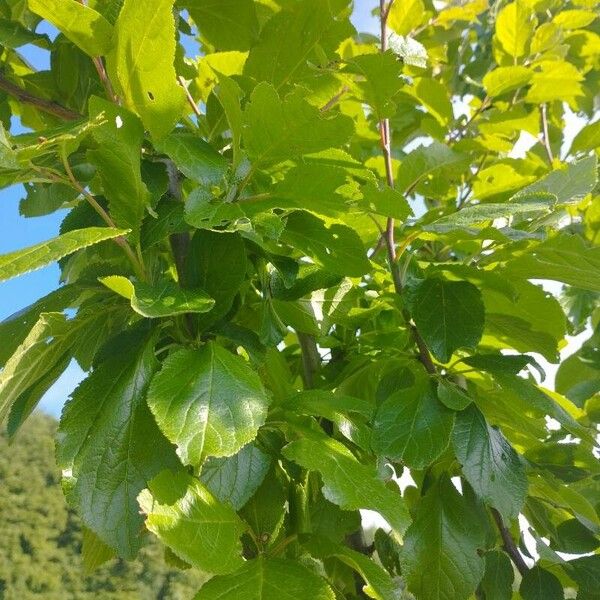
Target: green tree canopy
306,261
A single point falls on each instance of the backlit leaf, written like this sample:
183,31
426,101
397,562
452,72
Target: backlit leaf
142,63
85,27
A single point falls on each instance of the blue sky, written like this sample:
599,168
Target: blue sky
18,232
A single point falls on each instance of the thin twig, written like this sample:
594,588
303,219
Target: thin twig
509,544
545,136
384,132
110,93
102,72
189,97
47,106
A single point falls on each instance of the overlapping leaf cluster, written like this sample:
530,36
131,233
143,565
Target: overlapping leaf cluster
304,261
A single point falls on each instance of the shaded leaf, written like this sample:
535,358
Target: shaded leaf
539,584
448,314
411,426
489,463
234,479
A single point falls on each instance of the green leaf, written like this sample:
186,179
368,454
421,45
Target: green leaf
515,24
85,27
448,314
575,538
347,482
433,96
265,511
275,130
44,199
574,19
411,426
489,463
349,414
194,157
571,183
268,579
587,139
586,572
204,211
293,41
539,584
563,258
118,159
387,202
40,255
216,263
426,160
94,552
188,519
26,403
226,24
379,585
229,94
234,479
555,80
540,202
14,329
520,391
161,300
506,79
409,50
381,81
337,247
308,186
406,16
208,402
453,396
499,575
440,555
110,446
142,63
14,35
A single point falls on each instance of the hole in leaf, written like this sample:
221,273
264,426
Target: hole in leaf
151,95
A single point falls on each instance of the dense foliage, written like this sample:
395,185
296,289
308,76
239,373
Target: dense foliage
307,261
40,545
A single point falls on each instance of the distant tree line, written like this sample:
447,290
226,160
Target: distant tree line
40,544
